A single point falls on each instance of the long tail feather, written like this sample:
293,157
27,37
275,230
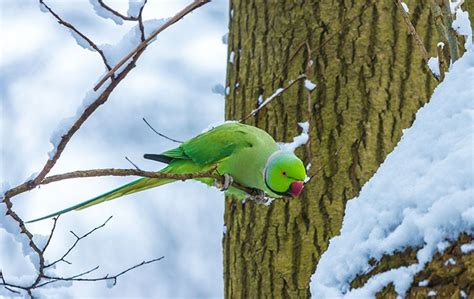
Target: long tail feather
132,187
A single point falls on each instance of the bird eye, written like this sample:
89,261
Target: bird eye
284,173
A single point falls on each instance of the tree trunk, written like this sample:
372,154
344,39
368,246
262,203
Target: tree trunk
371,80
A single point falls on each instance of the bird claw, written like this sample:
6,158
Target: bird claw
259,196
226,182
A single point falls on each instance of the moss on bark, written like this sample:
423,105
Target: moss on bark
371,80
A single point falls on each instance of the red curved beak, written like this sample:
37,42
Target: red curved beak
296,188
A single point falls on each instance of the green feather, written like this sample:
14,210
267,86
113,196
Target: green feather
240,151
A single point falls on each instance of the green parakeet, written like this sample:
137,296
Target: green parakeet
246,153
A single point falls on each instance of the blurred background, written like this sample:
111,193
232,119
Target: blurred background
44,77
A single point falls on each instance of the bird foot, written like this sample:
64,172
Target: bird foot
226,182
259,196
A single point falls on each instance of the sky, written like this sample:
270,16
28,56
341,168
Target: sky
45,75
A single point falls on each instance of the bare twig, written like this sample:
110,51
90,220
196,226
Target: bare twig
441,61
195,4
75,30
450,32
62,259
131,162
79,277
113,11
309,99
160,134
412,31
140,22
55,219
273,96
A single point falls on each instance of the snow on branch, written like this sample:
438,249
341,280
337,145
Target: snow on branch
181,14
276,94
34,246
81,39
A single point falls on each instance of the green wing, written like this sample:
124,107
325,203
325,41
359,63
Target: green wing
214,145
217,144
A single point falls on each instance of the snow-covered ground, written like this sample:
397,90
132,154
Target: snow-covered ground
422,196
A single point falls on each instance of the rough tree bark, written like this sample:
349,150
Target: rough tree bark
370,79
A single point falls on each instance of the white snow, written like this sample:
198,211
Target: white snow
420,197
134,7
466,248
114,53
224,229
463,294
218,89
309,85
104,13
405,7
260,99
298,140
225,38
450,262
423,283
267,100
432,293
110,283
454,5
462,26
227,90
440,44
231,57
433,64
81,41
43,8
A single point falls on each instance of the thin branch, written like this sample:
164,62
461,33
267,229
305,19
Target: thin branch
74,29
162,135
131,162
195,4
75,243
450,32
113,11
441,61
309,99
273,96
210,173
78,277
7,285
140,22
55,219
413,33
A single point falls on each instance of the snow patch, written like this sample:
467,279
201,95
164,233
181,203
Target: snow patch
433,64
82,42
462,25
298,140
420,204
309,85
450,262
218,89
231,57
225,38
405,7
43,8
423,283
134,7
466,248
104,13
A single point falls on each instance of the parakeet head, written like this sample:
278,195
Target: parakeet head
285,174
